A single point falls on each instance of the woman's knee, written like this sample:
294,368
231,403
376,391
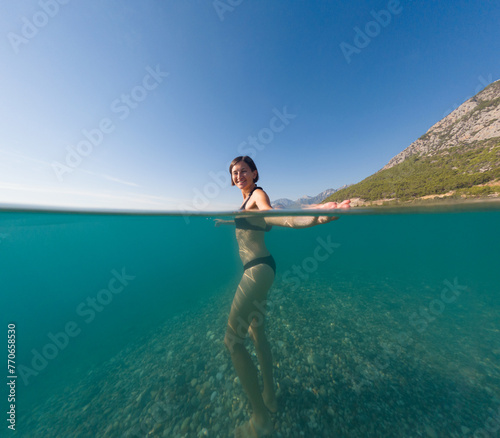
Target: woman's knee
258,335
232,341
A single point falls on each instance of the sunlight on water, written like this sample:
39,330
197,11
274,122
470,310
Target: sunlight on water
383,323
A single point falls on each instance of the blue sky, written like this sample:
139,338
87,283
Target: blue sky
142,104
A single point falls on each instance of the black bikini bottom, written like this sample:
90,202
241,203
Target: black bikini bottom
269,260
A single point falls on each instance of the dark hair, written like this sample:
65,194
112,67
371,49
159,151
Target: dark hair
247,160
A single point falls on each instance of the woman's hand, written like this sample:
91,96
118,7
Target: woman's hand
308,221
319,220
218,222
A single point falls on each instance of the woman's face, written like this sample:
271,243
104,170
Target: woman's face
242,175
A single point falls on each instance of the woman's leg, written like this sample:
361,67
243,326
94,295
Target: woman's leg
263,350
249,305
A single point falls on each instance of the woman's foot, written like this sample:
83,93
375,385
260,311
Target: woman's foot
252,429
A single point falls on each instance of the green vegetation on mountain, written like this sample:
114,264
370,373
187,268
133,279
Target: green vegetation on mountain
454,169
458,156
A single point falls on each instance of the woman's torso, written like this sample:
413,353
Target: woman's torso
250,233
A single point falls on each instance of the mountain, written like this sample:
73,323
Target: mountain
457,157
284,203
304,200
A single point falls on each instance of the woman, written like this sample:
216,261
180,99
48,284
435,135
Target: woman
247,313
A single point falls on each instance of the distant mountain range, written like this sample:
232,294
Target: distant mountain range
458,157
304,200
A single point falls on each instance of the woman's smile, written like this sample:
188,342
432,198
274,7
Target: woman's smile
242,175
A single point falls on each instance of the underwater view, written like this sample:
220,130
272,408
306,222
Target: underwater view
384,323
250,219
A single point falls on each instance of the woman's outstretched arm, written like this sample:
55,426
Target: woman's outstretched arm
263,204
308,221
299,221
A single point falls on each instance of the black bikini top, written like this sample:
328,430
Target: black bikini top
243,224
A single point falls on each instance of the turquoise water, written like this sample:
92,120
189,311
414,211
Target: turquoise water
383,323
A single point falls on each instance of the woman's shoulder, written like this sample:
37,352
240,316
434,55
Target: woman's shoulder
260,192
261,199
